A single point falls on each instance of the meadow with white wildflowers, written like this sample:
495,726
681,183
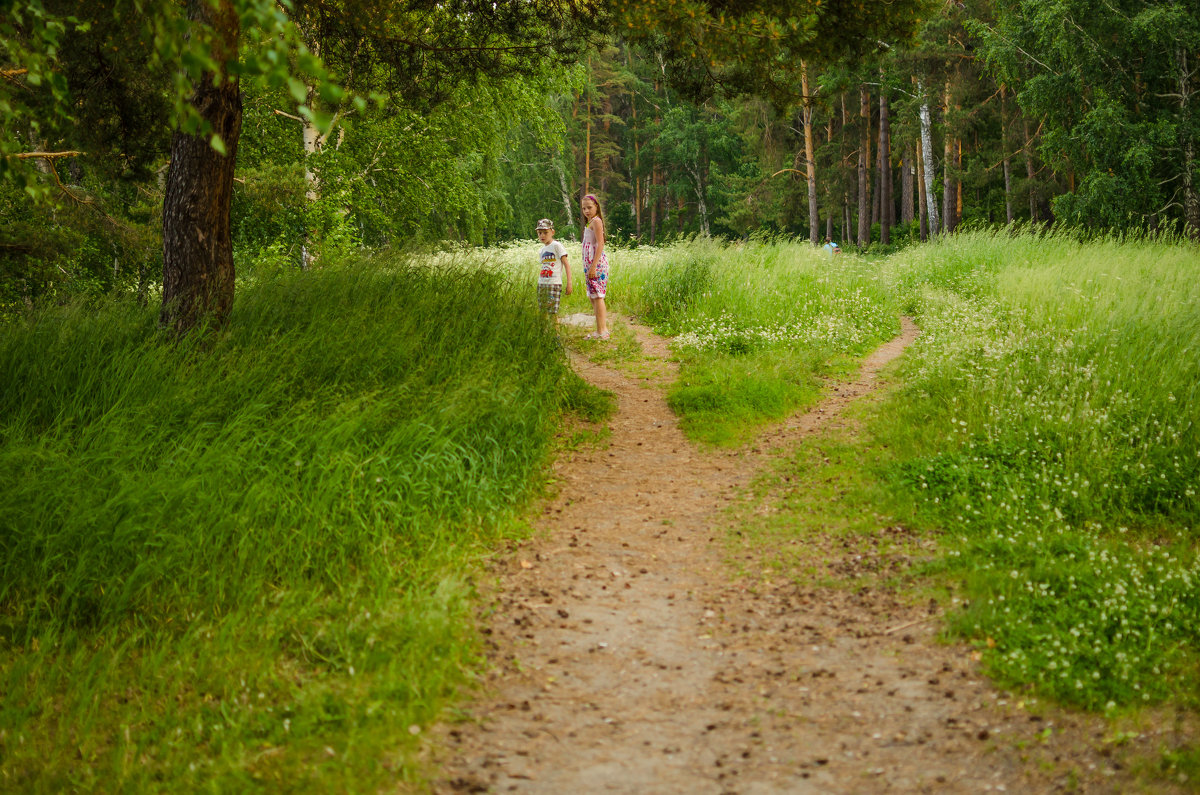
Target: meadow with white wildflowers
1050,426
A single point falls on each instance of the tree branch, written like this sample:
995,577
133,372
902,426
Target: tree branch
46,155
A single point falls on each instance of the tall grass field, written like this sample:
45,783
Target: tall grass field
243,561
238,562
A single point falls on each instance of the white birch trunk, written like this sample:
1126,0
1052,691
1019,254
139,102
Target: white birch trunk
565,190
927,160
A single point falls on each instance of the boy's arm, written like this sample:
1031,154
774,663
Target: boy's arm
566,274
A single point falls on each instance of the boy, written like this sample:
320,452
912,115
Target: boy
552,261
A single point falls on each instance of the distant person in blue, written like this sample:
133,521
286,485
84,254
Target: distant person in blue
830,247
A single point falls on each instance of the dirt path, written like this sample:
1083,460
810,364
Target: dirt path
626,658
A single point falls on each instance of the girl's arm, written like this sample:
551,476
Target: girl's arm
598,228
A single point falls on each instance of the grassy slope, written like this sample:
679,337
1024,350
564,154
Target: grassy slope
242,563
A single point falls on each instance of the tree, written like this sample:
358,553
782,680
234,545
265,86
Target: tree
195,49
1112,91
420,52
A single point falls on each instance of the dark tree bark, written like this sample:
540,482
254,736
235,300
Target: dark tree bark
864,209
906,187
198,273
885,172
948,177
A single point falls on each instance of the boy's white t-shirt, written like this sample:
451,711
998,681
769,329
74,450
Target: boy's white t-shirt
550,259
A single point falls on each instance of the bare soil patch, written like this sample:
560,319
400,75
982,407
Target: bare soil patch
627,658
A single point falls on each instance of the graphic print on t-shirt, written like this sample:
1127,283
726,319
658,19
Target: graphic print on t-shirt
549,263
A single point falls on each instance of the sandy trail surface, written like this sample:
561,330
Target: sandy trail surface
627,657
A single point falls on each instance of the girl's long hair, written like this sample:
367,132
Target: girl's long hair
595,201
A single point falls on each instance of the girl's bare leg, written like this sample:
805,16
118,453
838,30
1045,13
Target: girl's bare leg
601,315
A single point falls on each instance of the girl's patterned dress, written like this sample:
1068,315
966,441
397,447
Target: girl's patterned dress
597,287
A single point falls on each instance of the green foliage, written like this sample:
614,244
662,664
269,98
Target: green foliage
1108,85
222,556
760,46
590,403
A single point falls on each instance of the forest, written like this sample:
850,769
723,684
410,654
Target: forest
303,490
1080,114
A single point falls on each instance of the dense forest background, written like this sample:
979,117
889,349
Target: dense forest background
1079,113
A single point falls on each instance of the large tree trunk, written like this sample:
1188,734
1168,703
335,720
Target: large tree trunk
810,162
1191,198
198,273
864,154
885,172
948,191
906,187
929,203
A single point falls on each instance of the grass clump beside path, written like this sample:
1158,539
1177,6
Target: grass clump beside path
1051,426
238,562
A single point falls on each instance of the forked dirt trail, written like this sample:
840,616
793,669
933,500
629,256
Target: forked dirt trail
628,659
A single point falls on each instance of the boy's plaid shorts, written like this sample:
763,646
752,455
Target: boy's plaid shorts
549,297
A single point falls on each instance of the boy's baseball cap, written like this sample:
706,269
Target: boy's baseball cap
545,223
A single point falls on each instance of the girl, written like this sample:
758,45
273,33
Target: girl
595,263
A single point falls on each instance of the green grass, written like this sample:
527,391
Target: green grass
725,400
1043,453
755,325
821,515
242,562
1051,425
